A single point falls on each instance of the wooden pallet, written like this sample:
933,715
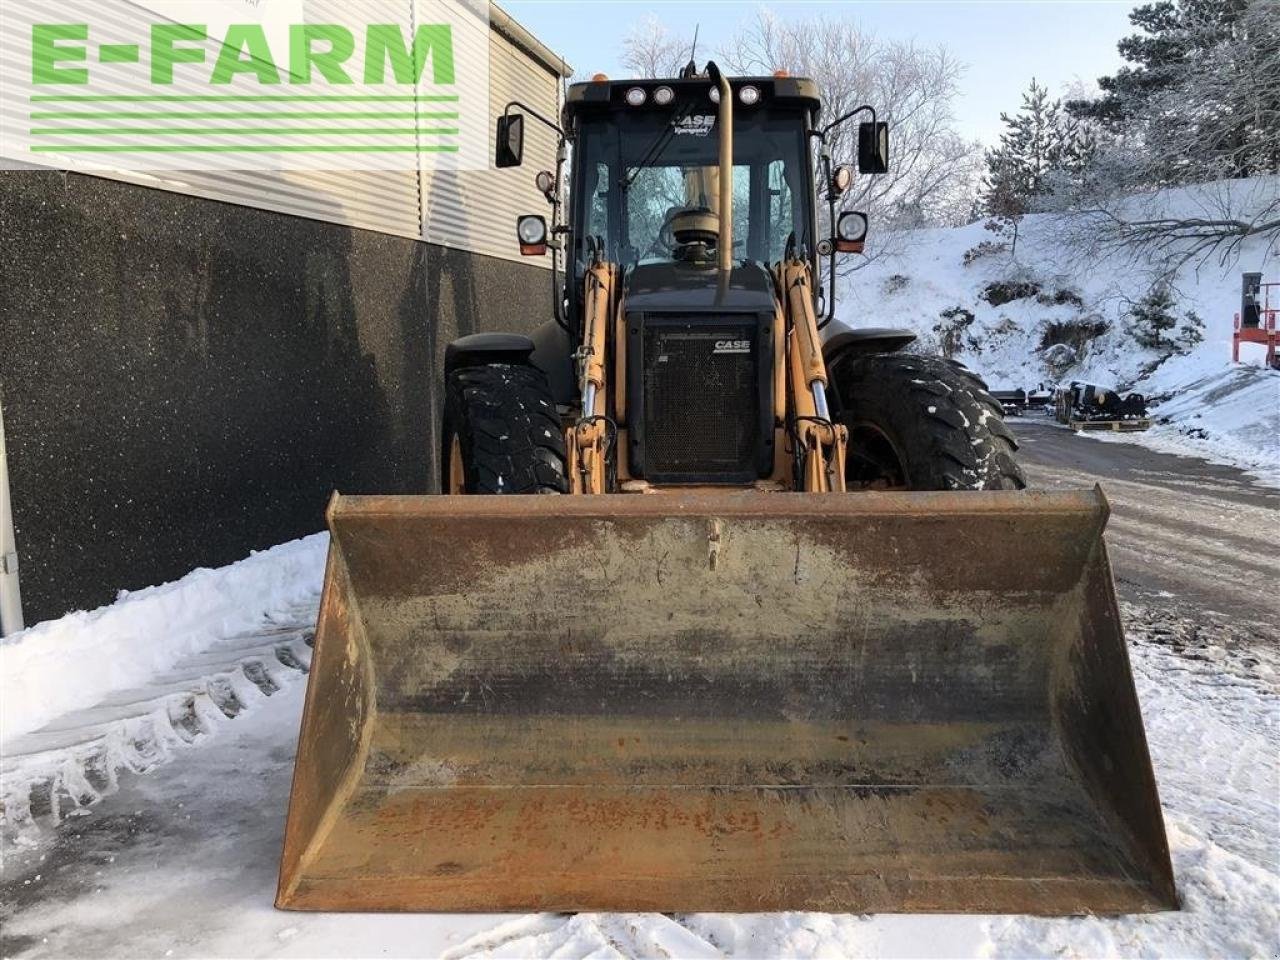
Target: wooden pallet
1125,426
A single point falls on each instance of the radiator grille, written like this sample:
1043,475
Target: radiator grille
701,399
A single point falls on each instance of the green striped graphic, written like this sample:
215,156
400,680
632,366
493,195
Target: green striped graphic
318,113
238,98
244,131
240,148
264,114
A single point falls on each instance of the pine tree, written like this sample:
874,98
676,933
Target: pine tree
1192,333
1198,90
1157,55
1151,316
1040,142
1004,197
951,329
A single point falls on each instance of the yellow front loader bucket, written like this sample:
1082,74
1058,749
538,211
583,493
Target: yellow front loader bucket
729,701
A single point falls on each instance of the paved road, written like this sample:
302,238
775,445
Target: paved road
1181,530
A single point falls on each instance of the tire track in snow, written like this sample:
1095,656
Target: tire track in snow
61,770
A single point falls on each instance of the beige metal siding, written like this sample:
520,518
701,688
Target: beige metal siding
386,201
469,210
476,210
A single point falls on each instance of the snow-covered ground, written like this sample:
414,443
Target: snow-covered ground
1205,405
167,843
62,665
98,695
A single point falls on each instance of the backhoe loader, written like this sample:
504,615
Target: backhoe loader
722,606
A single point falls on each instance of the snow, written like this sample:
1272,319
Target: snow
182,861
1205,405
71,663
1229,415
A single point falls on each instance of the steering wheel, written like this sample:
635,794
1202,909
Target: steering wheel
665,237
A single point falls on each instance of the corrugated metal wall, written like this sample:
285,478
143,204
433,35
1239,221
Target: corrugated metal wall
468,210
477,209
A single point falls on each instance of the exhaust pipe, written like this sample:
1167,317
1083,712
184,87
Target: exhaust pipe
724,246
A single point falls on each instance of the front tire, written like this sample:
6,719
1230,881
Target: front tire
922,423
501,432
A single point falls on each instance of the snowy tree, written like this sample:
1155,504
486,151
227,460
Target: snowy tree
950,330
1040,146
650,50
1227,99
1191,333
1004,198
1201,90
1164,231
933,170
1152,316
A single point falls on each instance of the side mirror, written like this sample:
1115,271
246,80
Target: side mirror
510,147
531,231
873,147
841,180
851,232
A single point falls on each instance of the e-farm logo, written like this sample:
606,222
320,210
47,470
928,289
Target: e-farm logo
245,50
143,90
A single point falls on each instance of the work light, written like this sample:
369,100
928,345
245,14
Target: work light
532,233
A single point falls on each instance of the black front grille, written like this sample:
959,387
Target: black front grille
700,399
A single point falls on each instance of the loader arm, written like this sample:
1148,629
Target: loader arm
590,439
821,442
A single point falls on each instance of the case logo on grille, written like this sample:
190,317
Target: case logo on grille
732,346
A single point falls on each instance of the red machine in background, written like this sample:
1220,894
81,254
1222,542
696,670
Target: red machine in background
1256,321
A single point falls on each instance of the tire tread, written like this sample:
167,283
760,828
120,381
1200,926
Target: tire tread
951,429
508,429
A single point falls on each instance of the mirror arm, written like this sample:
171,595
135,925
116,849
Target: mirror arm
506,112
557,295
828,308
852,113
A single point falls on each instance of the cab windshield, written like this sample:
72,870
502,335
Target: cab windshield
641,178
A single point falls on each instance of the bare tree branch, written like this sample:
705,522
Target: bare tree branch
933,170
651,51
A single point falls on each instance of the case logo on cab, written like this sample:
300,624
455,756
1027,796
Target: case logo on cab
732,346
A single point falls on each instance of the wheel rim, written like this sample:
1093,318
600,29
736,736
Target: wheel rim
456,480
873,460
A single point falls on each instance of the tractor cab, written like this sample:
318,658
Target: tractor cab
646,177
645,182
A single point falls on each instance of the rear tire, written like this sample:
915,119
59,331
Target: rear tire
922,423
508,438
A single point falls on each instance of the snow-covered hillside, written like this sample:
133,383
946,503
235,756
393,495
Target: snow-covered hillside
1056,311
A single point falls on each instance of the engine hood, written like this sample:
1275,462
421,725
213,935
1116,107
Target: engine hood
680,287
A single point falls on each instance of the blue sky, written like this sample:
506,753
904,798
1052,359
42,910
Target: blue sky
1004,43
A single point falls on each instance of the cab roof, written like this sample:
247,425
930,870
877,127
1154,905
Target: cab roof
606,96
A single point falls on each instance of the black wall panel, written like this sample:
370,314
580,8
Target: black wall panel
186,380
